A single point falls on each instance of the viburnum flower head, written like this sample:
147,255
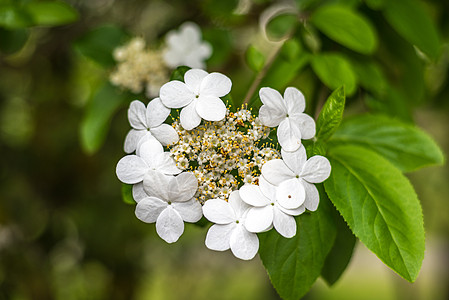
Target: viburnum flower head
229,231
150,156
147,122
287,113
171,205
186,47
294,174
199,97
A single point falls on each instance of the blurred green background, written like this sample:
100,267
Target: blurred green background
65,232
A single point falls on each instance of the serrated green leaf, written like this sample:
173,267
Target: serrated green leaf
331,115
281,26
346,26
127,194
409,19
95,124
99,44
254,58
334,71
294,264
379,205
404,145
178,73
51,13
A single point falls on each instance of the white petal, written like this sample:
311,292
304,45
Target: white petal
259,219
138,192
244,244
204,51
182,187
165,134
294,100
215,84
290,193
149,209
193,79
189,117
306,125
312,196
211,108
284,224
218,236
268,189
136,115
169,225
149,151
190,211
292,212
271,117
131,169
156,113
191,32
252,195
156,184
289,135
237,204
132,139
219,211
165,164
276,171
176,94
295,160
316,169
171,58
273,99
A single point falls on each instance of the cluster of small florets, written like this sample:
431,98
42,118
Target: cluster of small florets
223,155
139,68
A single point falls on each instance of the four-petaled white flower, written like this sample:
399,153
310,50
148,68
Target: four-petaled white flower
294,174
171,205
199,97
287,113
186,48
132,169
148,122
267,210
229,231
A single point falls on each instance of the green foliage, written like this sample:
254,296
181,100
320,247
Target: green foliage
370,76
294,264
178,73
334,70
99,44
379,205
51,13
281,26
12,40
347,27
331,115
255,59
410,20
221,41
127,194
95,124
404,145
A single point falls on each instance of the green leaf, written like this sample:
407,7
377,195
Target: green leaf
51,13
409,19
370,76
346,26
291,49
221,41
95,124
127,194
379,205
14,17
12,40
178,73
254,58
99,44
404,145
294,264
341,252
281,26
331,115
334,71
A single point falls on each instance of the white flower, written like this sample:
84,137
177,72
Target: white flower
132,169
148,121
172,204
267,210
199,96
229,231
287,113
186,48
294,173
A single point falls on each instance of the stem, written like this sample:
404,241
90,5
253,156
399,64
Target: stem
262,73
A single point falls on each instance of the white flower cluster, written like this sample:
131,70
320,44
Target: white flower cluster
220,167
